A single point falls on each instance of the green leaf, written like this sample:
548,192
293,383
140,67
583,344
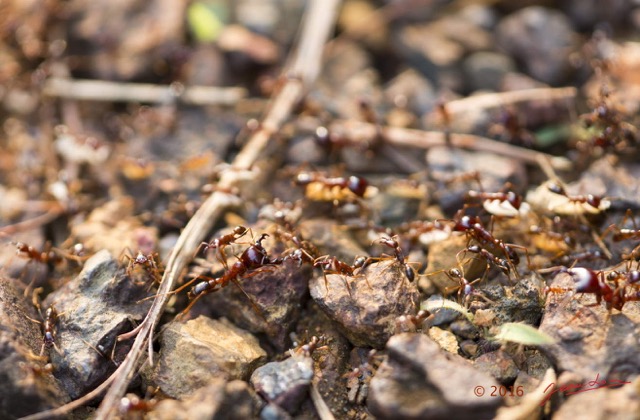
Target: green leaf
206,21
523,334
433,304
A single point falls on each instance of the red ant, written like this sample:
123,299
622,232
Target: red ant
332,265
356,185
472,226
253,258
219,244
412,323
591,203
398,254
44,257
465,288
507,203
593,282
48,326
148,262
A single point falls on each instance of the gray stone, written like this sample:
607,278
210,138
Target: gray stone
486,70
286,383
499,365
542,39
420,380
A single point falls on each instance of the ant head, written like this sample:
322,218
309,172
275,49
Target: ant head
514,199
593,200
240,230
357,185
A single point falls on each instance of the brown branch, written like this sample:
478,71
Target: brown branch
358,132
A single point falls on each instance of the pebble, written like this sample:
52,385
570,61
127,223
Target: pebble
366,306
420,380
499,365
195,352
285,384
542,39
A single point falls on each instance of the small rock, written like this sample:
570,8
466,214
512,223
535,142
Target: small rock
445,339
27,387
585,14
486,70
420,380
498,364
218,400
465,329
285,383
523,303
367,305
95,307
412,91
199,350
541,38
274,412
469,347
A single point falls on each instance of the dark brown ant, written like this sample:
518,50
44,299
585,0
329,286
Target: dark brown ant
219,244
587,255
252,259
359,378
510,129
357,185
465,287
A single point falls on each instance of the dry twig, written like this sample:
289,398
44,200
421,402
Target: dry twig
358,132
102,90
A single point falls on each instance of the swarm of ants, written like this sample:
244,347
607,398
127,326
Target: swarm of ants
507,232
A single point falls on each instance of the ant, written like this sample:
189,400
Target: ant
50,318
590,203
44,257
304,250
219,244
623,234
507,204
332,265
398,254
412,323
359,378
148,262
253,258
473,228
465,288
354,184
502,264
594,282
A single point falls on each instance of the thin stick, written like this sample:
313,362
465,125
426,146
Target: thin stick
101,90
359,132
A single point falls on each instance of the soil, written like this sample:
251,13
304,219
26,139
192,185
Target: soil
428,212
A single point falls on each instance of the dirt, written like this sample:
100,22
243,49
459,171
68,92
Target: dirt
452,168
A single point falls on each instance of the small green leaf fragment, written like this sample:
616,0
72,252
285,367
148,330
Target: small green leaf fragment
523,334
206,25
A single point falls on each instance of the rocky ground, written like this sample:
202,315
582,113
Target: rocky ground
444,226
